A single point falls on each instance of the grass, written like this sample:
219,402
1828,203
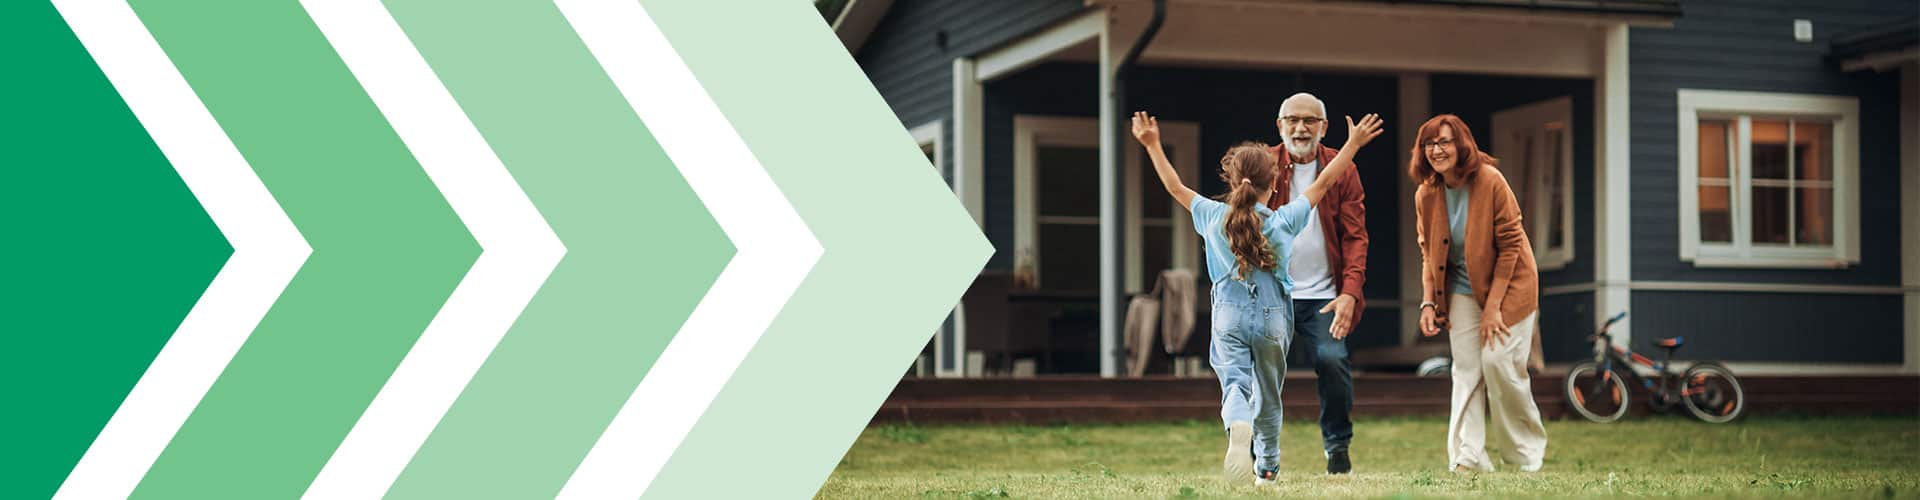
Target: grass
1858,457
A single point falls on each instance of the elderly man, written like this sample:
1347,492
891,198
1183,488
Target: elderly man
1328,267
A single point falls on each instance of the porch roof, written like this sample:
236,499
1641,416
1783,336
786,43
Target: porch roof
1667,8
1643,13
1877,46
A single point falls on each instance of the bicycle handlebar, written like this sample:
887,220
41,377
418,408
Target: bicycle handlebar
1616,318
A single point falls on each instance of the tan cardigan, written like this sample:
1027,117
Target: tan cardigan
1499,258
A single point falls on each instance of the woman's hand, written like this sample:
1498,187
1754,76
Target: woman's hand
1363,133
1493,329
1146,129
1429,322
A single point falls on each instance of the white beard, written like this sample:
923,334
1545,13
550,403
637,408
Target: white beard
1310,150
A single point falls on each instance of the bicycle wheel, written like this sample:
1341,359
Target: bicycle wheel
1599,396
1711,392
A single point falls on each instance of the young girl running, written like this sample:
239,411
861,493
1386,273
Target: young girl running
1246,248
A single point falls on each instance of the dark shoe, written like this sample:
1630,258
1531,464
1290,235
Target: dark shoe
1337,463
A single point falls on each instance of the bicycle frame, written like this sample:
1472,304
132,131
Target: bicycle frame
1613,354
1606,355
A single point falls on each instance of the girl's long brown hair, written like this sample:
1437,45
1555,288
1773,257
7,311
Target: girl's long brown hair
1248,168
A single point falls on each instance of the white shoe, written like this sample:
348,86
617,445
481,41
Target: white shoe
1239,463
1264,481
1524,466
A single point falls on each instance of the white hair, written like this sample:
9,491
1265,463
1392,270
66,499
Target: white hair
1303,95
1297,151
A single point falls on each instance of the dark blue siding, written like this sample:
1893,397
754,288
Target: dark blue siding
905,61
1749,46
1815,328
1565,322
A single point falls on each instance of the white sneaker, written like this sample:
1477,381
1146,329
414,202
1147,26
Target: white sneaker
1524,466
1239,463
1267,479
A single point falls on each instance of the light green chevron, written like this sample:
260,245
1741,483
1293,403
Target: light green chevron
387,250
641,249
898,248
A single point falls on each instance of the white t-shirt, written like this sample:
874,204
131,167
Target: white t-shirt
1312,274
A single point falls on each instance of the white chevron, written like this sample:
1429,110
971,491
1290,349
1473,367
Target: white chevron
774,248
519,249
267,249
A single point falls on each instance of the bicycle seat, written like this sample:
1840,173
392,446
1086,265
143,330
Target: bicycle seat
1670,343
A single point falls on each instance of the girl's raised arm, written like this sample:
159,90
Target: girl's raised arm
1146,129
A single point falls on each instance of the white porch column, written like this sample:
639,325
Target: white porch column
968,177
1109,214
1613,271
950,354
1415,107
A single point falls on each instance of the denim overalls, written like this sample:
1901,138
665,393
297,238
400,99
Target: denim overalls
1252,322
1252,328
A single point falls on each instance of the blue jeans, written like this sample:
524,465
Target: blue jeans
1329,358
1251,323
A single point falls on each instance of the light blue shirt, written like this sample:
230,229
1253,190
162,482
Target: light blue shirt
1210,219
1457,251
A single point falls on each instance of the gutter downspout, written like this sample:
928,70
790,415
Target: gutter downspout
1110,282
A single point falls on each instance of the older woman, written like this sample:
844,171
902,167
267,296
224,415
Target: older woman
1480,285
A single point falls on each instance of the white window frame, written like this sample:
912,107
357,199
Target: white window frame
1032,131
933,135
1537,192
1740,107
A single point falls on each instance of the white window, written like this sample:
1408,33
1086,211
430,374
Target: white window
1768,180
1057,205
1535,145
931,138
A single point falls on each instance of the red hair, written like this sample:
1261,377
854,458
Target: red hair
1467,154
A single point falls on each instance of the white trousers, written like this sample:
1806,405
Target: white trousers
1492,393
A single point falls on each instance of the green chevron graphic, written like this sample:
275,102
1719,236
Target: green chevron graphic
105,250
897,256
641,250
110,253
386,249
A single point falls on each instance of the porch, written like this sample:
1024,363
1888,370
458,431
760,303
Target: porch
1039,158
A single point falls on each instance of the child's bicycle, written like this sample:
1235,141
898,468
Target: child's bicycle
1597,389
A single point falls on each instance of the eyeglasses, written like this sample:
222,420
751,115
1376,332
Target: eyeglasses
1440,143
1301,120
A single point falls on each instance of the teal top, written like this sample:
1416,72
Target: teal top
1210,219
1457,251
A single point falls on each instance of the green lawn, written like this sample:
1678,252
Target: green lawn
1646,456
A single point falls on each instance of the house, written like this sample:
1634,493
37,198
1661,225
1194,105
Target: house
1741,173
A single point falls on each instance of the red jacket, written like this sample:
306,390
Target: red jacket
1343,222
